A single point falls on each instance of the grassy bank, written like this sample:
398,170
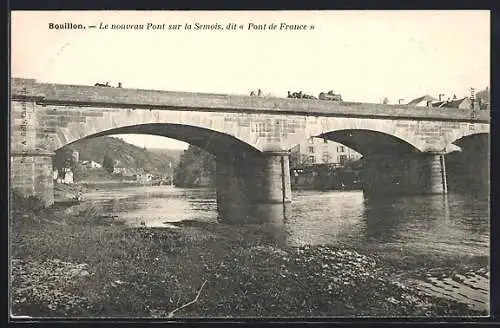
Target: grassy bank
79,263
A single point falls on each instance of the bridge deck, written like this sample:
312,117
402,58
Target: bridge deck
168,100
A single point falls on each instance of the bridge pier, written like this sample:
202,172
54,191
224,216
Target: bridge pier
246,181
31,175
434,173
411,174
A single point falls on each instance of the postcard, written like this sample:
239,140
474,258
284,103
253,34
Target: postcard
249,164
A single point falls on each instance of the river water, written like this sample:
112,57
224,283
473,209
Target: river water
432,238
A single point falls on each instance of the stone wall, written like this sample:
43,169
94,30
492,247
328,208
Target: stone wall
31,175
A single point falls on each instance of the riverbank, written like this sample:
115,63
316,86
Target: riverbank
79,262
65,192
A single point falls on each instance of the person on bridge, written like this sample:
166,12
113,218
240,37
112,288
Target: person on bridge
259,93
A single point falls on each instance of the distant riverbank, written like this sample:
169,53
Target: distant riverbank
77,261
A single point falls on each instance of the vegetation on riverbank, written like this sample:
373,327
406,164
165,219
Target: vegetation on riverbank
84,263
196,168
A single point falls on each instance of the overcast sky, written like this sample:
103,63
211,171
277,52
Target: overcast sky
364,55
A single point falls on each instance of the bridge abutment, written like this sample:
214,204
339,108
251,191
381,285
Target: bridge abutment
246,181
31,175
411,174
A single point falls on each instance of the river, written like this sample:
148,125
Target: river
440,243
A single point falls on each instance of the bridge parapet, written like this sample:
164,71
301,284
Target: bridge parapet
189,101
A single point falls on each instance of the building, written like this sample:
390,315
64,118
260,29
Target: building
144,177
321,151
68,176
428,101
126,172
423,101
91,165
464,103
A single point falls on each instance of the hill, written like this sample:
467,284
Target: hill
130,156
175,154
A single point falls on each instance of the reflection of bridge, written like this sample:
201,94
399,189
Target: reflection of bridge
404,146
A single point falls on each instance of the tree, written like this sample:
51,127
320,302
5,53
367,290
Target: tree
194,164
107,163
64,159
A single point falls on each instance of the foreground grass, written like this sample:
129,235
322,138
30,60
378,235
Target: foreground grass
87,265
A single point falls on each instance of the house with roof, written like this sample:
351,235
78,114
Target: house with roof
463,103
423,101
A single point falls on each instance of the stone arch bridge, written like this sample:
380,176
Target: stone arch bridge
404,146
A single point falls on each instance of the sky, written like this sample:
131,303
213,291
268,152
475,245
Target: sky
363,55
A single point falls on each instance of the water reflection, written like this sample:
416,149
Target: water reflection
442,223
389,219
256,213
454,224
326,217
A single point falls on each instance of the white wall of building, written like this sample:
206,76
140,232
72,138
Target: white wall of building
322,151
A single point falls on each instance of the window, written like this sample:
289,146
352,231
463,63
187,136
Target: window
325,140
342,149
312,159
326,157
342,159
310,150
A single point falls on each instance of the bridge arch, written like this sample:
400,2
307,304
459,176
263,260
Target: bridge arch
473,140
198,128
371,142
216,143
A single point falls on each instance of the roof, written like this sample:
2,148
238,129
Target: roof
455,103
420,99
438,103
